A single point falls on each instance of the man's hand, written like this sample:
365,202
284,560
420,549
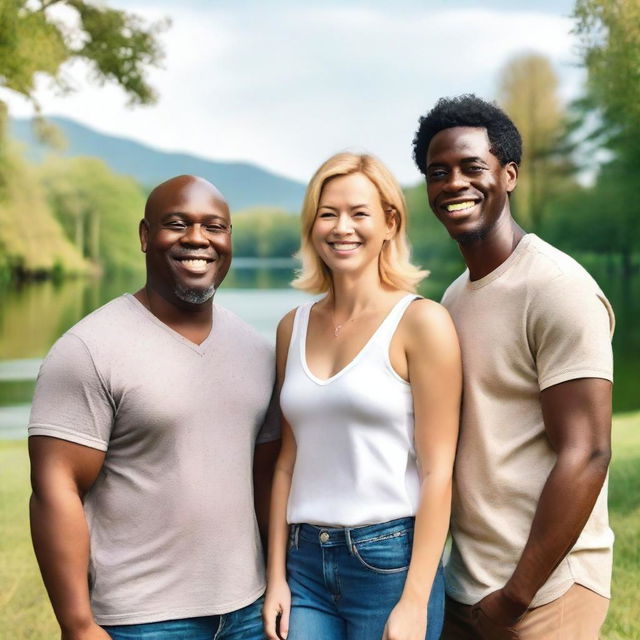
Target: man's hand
92,632
406,622
496,615
501,609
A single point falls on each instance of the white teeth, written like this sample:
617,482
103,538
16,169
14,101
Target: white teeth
343,246
194,264
459,206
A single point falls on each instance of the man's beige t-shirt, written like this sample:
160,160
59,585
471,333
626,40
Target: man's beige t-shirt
537,320
172,526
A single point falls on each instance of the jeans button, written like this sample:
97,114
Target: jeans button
324,536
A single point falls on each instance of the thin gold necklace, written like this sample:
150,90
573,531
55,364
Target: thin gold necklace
337,328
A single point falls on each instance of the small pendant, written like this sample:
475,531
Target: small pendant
336,330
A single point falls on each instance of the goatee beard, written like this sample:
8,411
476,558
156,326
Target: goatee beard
471,237
195,296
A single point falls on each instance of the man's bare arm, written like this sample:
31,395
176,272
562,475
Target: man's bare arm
61,473
264,461
577,418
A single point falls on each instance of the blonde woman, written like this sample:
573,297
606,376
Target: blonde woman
370,381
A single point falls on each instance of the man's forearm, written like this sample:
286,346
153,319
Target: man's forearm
565,504
61,542
263,465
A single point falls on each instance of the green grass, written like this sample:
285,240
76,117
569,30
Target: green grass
25,610
623,621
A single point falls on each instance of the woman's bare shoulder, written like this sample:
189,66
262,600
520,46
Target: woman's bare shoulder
427,322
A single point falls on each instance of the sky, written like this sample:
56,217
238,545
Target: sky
285,84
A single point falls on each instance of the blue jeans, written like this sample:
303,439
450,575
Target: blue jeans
345,582
243,624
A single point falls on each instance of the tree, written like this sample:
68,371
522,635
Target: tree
32,242
36,41
98,210
431,246
528,92
609,34
263,232
117,45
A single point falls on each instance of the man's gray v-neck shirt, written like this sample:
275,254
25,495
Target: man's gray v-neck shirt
173,532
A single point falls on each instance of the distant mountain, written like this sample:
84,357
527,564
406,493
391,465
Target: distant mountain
244,185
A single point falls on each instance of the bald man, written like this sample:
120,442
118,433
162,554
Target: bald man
146,419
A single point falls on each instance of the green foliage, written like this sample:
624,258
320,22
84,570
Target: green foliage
117,45
602,218
14,392
528,92
66,215
431,246
4,161
609,33
32,242
120,48
265,233
98,210
30,43
33,43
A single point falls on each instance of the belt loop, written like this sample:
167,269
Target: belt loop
347,535
296,535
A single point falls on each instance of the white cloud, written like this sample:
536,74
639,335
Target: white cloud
286,87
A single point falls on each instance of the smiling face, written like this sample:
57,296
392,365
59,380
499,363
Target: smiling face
467,186
351,224
186,235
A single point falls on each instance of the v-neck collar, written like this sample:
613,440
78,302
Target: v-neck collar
198,348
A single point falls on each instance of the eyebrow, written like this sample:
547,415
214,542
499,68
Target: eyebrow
353,206
463,161
474,159
185,216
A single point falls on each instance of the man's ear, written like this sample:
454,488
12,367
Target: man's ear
143,232
511,173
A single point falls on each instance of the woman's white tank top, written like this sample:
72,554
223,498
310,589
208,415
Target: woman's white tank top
356,460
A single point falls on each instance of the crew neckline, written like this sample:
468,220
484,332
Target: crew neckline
515,256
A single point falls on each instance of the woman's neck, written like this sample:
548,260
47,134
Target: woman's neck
355,294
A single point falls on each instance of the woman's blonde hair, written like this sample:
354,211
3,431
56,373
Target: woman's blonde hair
394,263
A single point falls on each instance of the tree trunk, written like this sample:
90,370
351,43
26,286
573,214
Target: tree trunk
94,237
79,241
4,115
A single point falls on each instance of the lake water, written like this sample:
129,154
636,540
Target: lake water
33,316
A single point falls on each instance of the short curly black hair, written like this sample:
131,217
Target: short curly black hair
468,110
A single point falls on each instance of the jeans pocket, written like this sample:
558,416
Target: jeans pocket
386,554
292,543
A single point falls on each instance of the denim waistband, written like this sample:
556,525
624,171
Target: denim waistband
333,536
